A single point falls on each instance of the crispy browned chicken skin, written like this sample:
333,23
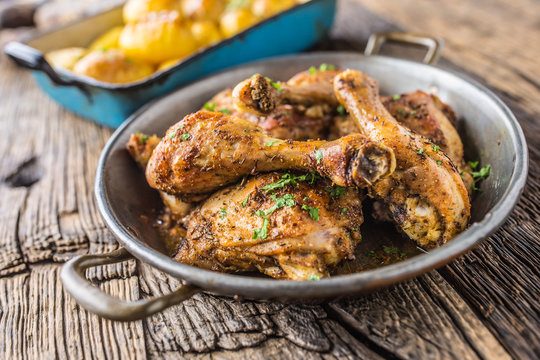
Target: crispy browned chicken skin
426,195
310,230
207,151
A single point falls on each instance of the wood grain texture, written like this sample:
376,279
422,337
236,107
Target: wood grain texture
482,306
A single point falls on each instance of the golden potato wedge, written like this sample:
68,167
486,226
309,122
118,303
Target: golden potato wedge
134,10
236,20
108,40
158,37
205,32
199,10
168,64
65,58
112,66
267,8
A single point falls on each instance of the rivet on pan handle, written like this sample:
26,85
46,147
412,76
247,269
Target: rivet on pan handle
433,44
94,300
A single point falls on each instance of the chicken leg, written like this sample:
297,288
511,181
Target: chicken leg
209,150
425,195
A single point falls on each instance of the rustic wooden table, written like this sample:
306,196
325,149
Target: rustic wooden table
483,305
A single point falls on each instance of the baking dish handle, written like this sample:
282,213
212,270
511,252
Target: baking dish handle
96,301
434,45
33,59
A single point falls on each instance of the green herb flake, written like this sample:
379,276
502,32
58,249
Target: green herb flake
129,61
312,70
246,131
289,179
402,112
274,84
396,97
172,135
439,162
262,232
344,211
336,191
222,213
142,137
436,147
326,67
318,155
341,110
271,142
245,202
314,277
473,164
412,112
478,175
210,106
421,151
256,74
185,136
225,111
313,212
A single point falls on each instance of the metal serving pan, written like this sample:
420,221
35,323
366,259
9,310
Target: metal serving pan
288,32
122,194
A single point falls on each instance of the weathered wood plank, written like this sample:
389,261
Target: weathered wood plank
39,321
46,203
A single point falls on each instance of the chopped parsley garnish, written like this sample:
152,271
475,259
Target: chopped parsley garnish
421,151
439,162
262,232
479,175
341,110
143,138
210,106
336,191
402,112
396,97
246,131
436,147
313,212
185,136
473,164
312,70
412,112
326,67
288,179
225,111
279,202
314,277
245,202
256,74
391,250
274,84
222,213
318,155
344,210
171,135
272,142
373,254
236,4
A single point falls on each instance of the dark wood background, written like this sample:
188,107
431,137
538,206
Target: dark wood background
484,305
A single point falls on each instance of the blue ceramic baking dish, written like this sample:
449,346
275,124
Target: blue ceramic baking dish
288,32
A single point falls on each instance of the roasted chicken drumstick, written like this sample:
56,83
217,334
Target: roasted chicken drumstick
208,150
425,195
287,226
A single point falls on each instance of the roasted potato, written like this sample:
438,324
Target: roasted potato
112,66
267,8
205,32
167,64
134,10
203,9
65,58
236,20
158,37
107,41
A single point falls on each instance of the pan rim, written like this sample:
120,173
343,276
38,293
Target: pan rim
262,288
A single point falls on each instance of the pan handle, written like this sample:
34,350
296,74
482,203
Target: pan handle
94,300
434,45
33,59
